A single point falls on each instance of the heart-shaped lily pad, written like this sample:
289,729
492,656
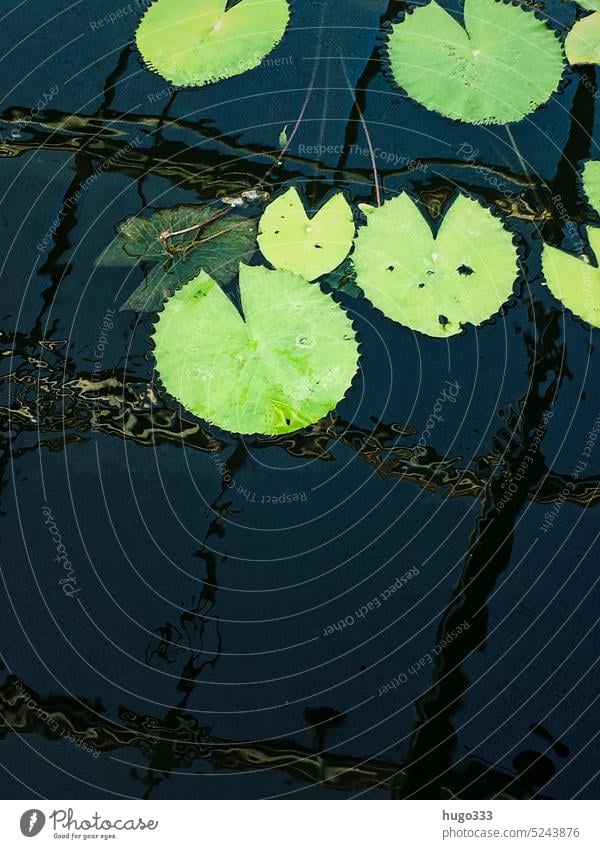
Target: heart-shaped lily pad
574,281
435,284
293,241
582,44
499,67
194,42
282,367
205,241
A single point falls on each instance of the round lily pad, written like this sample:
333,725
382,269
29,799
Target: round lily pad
194,42
500,66
438,284
582,44
574,281
293,241
283,366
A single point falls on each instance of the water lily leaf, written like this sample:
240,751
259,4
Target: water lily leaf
591,183
501,66
435,284
292,241
582,44
194,42
217,246
574,281
282,367
592,5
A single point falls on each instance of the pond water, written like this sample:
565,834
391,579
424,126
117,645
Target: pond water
285,616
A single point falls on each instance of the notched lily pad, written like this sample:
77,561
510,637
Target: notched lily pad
582,44
499,67
309,246
438,284
282,367
574,281
214,244
195,42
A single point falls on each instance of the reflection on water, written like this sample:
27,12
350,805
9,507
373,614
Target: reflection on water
41,397
177,742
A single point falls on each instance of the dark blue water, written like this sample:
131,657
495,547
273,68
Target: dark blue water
193,653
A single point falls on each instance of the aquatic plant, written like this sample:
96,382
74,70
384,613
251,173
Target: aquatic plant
434,284
497,68
573,280
582,44
592,5
307,245
195,42
180,242
282,366
591,182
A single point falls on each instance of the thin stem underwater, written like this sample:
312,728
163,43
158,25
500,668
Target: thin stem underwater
367,135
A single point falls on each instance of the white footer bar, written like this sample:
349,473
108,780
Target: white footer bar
301,824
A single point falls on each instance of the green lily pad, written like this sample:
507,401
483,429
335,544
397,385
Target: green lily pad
591,183
216,246
574,281
499,67
293,241
194,42
582,44
282,367
438,284
592,5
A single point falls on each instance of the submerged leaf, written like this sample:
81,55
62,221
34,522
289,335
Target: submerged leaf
574,281
435,285
343,279
501,66
292,241
217,246
282,367
582,44
194,42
